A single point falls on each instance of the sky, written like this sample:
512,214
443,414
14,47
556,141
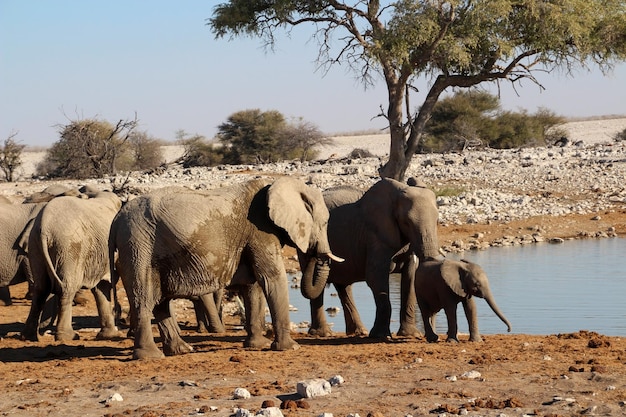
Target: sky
67,60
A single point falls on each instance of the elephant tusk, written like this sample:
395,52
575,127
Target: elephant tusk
334,257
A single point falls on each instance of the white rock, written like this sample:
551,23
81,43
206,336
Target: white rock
336,380
471,375
241,393
242,412
313,388
270,412
114,398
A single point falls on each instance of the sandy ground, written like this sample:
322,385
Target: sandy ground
506,375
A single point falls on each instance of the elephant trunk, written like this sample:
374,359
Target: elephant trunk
314,277
494,307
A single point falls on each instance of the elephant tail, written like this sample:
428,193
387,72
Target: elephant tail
52,273
113,272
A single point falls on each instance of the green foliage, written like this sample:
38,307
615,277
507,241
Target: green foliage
473,118
253,136
453,44
199,152
449,191
10,157
88,148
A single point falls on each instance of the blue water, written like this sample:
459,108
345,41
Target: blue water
542,289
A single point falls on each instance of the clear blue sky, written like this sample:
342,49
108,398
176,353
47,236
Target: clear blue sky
64,60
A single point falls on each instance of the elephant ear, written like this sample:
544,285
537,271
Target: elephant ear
291,206
22,239
453,274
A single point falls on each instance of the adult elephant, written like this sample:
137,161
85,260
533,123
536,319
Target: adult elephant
367,232
445,284
177,242
15,224
67,251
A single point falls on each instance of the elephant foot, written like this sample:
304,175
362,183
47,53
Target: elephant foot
109,333
147,353
177,349
288,344
380,333
320,332
409,331
257,342
452,340
30,335
360,332
433,338
475,339
65,336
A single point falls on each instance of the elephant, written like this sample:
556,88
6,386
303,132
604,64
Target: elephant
442,284
180,243
367,232
67,251
15,224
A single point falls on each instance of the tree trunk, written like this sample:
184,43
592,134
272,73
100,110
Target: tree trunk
404,143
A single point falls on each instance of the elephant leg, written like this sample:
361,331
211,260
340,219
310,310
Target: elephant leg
428,317
141,325
173,344
354,325
469,306
254,305
277,295
39,295
408,300
208,312
65,331
5,296
453,328
379,284
102,294
319,325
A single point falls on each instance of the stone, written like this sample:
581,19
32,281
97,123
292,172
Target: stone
241,393
312,388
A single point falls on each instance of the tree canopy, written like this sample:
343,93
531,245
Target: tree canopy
453,44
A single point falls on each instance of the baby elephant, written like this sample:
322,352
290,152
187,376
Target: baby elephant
443,284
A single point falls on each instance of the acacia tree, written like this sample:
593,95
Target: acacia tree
455,43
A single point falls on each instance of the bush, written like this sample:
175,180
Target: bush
89,148
357,153
199,152
145,151
620,136
10,157
472,118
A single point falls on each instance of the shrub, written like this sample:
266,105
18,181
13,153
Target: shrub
88,148
472,118
199,152
620,136
10,157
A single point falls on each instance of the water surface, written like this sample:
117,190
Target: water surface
542,289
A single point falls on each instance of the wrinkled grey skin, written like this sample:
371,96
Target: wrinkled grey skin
445,284
367,232
15,223
179,243
67,251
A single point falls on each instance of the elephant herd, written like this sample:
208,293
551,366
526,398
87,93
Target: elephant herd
181,243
